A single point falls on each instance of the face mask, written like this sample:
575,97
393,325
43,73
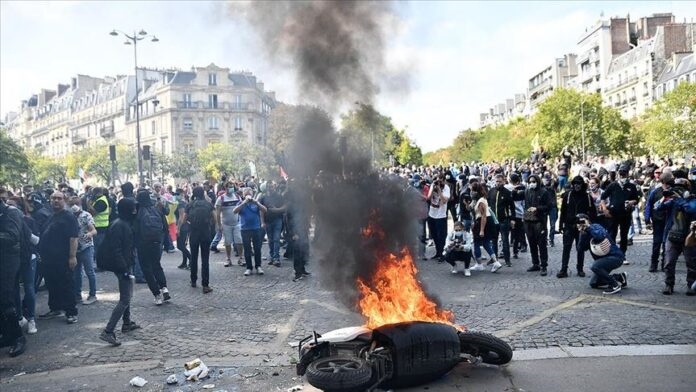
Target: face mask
577,188
686,194
624,180
545,181
474,195
447,177
532,185
76,208
230,191
500,186
692,177
458,232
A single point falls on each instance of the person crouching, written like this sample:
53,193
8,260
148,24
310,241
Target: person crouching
459,248
607,255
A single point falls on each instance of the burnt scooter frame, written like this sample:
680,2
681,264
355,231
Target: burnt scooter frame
392,356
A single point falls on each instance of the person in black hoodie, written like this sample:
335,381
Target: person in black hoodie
500,200
574,201
537,203
149,230
120,253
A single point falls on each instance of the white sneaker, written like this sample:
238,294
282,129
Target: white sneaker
478,267
259,271
247,272
454,271
626,262
467,272
23,323
31,327
158,300
496,266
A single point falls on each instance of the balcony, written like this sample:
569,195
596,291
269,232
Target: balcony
187,105
106,131
632,99
78,139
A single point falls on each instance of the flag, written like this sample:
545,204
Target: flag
535,143
283,173
82,174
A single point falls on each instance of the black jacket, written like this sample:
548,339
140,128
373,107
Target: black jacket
618,194
117,253
574,203
500,201
540,198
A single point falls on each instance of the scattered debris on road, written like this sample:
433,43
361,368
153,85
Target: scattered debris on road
138,381
296,388
172,379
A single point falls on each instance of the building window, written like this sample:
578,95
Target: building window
238,123
187,100
212,101
154,126
188,124
212,122
212,79
238,101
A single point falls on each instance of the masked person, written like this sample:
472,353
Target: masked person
537,203
251,216
657,218
85,252
574,201
12,231
229,222
623,197
500,201
149,229
607,255
201,218
118,255
459,248
182,228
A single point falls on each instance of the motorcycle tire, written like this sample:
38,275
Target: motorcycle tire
339,374
491,349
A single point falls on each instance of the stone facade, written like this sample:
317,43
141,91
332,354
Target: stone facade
556,75
179,111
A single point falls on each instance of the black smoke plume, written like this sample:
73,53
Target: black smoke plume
337,50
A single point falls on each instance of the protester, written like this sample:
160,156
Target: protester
150,227
201,218
251,216
459,248
606,254
85,252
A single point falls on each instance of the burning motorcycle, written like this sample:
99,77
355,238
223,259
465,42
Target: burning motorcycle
357,359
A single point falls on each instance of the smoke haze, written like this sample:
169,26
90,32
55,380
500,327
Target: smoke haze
337,49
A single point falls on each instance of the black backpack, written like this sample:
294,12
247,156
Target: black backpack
151,225
199,215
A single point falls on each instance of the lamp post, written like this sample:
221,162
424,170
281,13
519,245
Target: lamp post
582,127
133,40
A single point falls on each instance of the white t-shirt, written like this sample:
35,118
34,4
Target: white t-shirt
477,206
441,211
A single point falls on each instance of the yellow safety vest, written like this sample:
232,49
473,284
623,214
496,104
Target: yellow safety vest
101,219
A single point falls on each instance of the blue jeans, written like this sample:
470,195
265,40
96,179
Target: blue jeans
273,231
602,268
216,240
26,272
553,217
562,181
84,260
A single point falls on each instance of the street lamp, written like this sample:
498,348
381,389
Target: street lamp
582,127
133,40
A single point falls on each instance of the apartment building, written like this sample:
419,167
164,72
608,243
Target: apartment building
557,74
179,111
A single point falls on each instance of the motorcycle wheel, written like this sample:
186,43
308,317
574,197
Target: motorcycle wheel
339,374
491,349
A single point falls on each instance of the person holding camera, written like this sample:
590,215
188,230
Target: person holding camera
251,214
607,255
680,206
459,248
438,195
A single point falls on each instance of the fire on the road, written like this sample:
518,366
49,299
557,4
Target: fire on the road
394,294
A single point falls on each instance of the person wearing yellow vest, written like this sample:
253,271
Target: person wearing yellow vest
99,208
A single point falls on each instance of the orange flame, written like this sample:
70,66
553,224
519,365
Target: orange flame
394,294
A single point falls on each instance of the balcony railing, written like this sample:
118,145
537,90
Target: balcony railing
106,131
78,139
633,99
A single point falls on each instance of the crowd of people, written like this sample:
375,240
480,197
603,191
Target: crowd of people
53,235
508,208
514,207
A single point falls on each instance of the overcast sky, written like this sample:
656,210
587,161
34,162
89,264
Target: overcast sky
464,57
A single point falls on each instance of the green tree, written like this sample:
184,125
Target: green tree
46,169
235,160
95,161
669,126
14,164
180,165
370,132
565,116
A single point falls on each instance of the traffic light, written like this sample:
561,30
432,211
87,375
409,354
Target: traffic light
146,152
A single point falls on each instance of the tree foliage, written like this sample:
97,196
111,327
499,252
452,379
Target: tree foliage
565,116
45,169
96,163
372,133
181,165
14,164
236,160
669,126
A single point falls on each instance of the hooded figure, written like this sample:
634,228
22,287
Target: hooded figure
574,201
536,198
